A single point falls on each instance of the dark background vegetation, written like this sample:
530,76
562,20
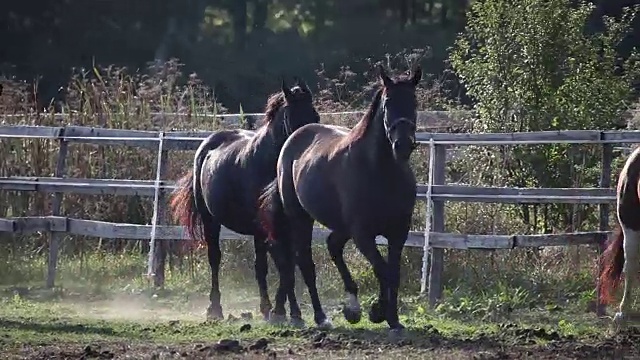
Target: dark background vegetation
238,47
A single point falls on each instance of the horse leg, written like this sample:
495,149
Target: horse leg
367,246
212,237
631,267
396,245
285,263
294,307
261,270
302,235
335,244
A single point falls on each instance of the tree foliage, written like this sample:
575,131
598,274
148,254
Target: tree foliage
532,65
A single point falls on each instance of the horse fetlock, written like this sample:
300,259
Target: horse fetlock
214,312
377,313
619,320
397,332
324,324
297,321
265,309
277,319
353,316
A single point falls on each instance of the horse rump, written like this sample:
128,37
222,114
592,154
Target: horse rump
612,264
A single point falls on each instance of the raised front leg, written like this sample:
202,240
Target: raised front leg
212,236
631,267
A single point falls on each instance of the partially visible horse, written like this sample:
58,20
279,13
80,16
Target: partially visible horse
230,168
357,183
623,251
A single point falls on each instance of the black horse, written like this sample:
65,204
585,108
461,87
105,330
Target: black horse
358,184
230,169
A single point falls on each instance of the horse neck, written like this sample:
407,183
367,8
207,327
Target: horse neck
270,139
375,142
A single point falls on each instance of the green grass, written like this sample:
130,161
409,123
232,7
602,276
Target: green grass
106,299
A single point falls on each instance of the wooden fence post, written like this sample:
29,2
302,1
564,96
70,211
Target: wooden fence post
158,262
437,224
56,237
605,182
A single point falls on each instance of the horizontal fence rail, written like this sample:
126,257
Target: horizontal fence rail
190,140
455,193
109,230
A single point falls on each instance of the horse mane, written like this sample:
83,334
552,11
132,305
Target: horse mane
274,103
277,100
358,131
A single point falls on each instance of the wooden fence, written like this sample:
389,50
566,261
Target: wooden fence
435,193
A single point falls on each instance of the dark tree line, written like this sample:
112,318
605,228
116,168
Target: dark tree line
239,46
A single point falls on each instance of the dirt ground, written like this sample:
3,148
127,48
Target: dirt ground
517,343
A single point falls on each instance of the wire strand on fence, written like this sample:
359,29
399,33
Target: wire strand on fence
427,220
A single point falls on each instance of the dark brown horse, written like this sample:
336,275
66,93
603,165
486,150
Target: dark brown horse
621,255
230,169
358,184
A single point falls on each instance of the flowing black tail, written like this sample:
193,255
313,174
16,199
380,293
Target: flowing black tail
187,203
271,211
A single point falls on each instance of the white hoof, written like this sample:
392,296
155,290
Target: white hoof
619,321
325,325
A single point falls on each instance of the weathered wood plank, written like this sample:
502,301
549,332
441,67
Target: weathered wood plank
625,136
110,230
108,136
139,137
439,240
467,241
29,131
565,136
82,186
463,193
32,224
55,238
7,225
606,156
436,268
543,240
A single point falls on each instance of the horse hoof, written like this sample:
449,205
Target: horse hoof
376,313
265,310
277,319
351,315
619,321
396,333
214,314
297,322
325,325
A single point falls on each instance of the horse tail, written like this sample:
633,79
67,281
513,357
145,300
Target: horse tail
187,203
612,264
271,210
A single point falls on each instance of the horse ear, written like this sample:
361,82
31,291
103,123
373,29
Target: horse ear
385,80
285,90
416,75
303,85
